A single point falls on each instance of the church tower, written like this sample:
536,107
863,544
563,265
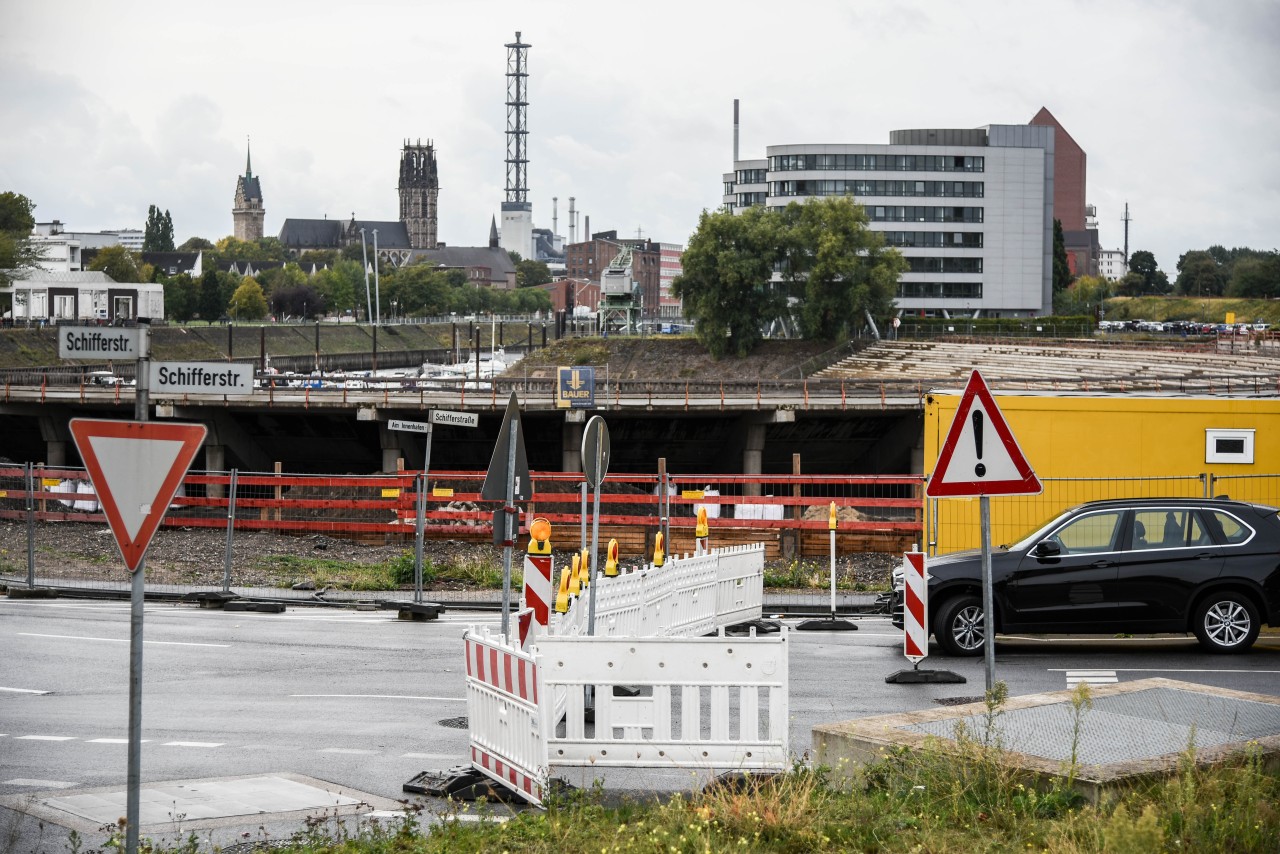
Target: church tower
419,186
247,213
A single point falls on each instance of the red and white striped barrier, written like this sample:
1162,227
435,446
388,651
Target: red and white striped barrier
538,595
508,735
915,613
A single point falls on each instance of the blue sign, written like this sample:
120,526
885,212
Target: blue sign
576,388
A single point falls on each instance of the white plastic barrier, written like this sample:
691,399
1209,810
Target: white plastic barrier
713,703
508,729
688,596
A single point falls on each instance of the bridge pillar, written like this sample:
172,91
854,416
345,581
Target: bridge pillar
55,453
215,459
392,454
753,454
571,443
55,435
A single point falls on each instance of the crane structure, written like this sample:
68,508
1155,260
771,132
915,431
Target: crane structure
620,298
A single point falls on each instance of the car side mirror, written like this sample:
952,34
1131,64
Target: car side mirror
1047,548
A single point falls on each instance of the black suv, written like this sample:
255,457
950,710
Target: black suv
1145,565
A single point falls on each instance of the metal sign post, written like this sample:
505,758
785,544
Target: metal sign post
975,462
595,465
137,595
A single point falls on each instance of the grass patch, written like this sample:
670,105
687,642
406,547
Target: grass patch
802,575
961,796
471,572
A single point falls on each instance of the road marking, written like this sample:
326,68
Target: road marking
25,691
121,640
112,741
194,743
1091,677
1171,670
383,697
40,784
45,738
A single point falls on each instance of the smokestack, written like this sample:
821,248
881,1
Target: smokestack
735,130
555,216
586,227
573,222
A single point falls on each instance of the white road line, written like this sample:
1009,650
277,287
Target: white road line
382,697
1091,677
194,743
350,750
45,738
25,691
39,784
121,640
1172,670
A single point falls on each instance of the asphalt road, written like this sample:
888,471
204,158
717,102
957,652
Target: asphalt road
358,698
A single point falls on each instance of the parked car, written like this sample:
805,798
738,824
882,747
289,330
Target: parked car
1150,565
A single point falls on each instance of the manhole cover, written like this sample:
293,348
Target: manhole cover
957,701
455,723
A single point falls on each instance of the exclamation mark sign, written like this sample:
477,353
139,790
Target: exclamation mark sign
979,470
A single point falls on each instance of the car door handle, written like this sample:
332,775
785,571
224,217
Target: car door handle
1205,556
1102,564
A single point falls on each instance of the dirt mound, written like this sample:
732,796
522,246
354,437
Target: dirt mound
668,358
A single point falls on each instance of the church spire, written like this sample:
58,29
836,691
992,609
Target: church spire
248,167
493,232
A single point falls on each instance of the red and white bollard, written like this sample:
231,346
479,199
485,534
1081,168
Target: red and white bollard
915,624
538,593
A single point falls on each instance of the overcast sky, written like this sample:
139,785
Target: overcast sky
107,108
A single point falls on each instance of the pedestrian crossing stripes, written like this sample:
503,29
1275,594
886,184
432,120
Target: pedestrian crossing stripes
1091,677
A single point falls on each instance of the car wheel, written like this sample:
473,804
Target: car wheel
1226,622
959,627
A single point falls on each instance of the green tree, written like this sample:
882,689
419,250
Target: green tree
532,273
181,298
17,253
1061,266
118,263
419,290
248,302
1154,281
844,268
1256,277
195,244
342,286
263,249
726,285
1200,274
296,301
158,236
1084,296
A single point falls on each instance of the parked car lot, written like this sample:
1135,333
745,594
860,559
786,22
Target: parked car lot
1205,566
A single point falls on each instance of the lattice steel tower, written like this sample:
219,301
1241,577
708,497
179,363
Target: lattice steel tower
517,216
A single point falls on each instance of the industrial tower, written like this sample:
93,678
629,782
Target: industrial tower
517,211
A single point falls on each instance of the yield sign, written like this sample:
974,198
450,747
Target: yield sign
135,467
980,455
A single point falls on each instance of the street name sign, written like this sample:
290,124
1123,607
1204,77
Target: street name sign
92,343
455,419
409,426
228,379
136,468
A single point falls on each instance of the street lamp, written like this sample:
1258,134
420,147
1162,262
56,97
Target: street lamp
377,299
365,253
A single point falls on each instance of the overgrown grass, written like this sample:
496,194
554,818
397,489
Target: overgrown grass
802,575
470,571
962,797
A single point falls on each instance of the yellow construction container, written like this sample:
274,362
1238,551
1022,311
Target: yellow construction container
1087,448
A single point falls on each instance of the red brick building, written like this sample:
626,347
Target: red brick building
1070,173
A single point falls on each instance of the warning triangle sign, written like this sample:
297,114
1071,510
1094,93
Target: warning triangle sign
980,455
136,468
496,479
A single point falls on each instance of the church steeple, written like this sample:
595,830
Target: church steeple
493,233
247,211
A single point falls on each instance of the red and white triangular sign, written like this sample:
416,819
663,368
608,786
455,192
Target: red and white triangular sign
980,455
136,468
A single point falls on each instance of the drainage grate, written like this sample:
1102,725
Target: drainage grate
455,723
957,701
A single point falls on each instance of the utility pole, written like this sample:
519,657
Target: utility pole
1127,220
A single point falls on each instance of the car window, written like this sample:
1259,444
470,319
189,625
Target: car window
1166,529
1233,530
1097,532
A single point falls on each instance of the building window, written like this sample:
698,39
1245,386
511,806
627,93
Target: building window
1228,446
917,264
940,290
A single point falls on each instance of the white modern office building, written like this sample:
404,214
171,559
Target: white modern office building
970,209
